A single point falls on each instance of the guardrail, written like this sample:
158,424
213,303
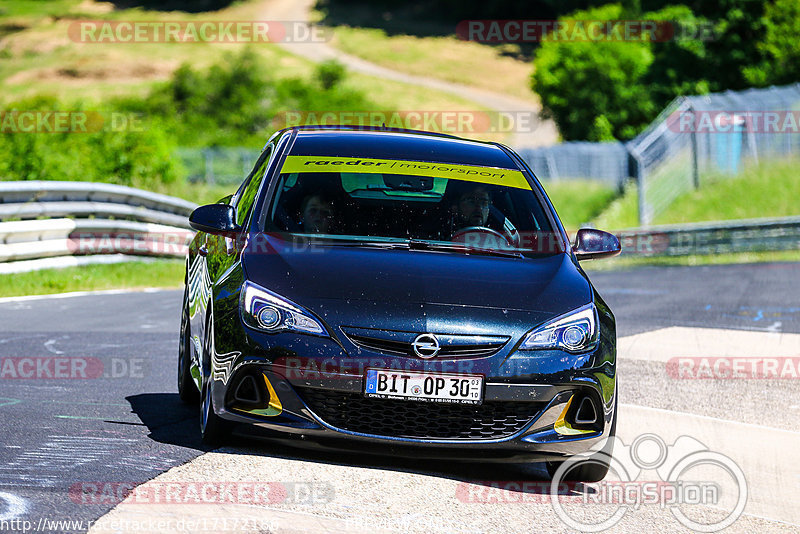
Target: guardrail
123,220
747,235
41,191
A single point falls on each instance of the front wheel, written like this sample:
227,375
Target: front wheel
187,390
213,429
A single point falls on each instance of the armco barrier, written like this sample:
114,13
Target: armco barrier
25,240
124,221
40,191
750,235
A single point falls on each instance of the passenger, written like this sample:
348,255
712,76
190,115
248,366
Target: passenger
317,213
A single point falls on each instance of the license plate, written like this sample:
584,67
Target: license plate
424,387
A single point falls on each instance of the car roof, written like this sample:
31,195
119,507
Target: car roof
396,143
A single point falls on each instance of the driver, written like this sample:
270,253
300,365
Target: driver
471,206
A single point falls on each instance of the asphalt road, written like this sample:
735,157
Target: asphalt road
761,297
118,417
123,422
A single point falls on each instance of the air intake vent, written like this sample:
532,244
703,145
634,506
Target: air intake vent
586,413
248,392
409,419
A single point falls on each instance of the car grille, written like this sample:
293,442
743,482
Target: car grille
414,419
403,348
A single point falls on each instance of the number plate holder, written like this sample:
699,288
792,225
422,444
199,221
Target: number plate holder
423,387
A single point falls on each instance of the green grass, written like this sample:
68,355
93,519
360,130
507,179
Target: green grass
27,9
766,190
771,189
199,193
621,213
138,274
577,202
447,58
38,57
617,263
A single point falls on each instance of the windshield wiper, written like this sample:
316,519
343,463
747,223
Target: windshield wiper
344,242
458,247
420,244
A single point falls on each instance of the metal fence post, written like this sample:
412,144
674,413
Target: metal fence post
695,167
644,218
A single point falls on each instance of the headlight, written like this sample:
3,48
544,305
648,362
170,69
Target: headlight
266,311
575,331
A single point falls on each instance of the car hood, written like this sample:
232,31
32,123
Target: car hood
418,289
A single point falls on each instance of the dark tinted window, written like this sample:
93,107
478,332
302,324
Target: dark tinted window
246,195
371,206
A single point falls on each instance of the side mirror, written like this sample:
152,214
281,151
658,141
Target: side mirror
592,244
217,219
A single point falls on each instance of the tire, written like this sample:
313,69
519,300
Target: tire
187,389
213,429
595,467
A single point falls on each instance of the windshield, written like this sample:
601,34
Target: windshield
445,206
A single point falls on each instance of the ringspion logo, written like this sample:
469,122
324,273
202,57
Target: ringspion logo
682,477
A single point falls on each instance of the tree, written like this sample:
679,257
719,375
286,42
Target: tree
779,45
581,79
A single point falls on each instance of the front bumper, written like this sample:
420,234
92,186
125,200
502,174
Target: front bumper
539,430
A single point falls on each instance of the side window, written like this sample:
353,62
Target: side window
247,194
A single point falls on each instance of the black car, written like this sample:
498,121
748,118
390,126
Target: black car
402,292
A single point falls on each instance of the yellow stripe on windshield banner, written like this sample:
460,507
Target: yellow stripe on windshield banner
470,173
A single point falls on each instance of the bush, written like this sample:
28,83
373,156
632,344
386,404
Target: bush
225,105
330,73
679,65
129,157
780,46
579,81
583,85
235,103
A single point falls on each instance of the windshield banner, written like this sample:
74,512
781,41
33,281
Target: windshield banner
470,173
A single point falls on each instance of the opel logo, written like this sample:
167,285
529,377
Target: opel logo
426,346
